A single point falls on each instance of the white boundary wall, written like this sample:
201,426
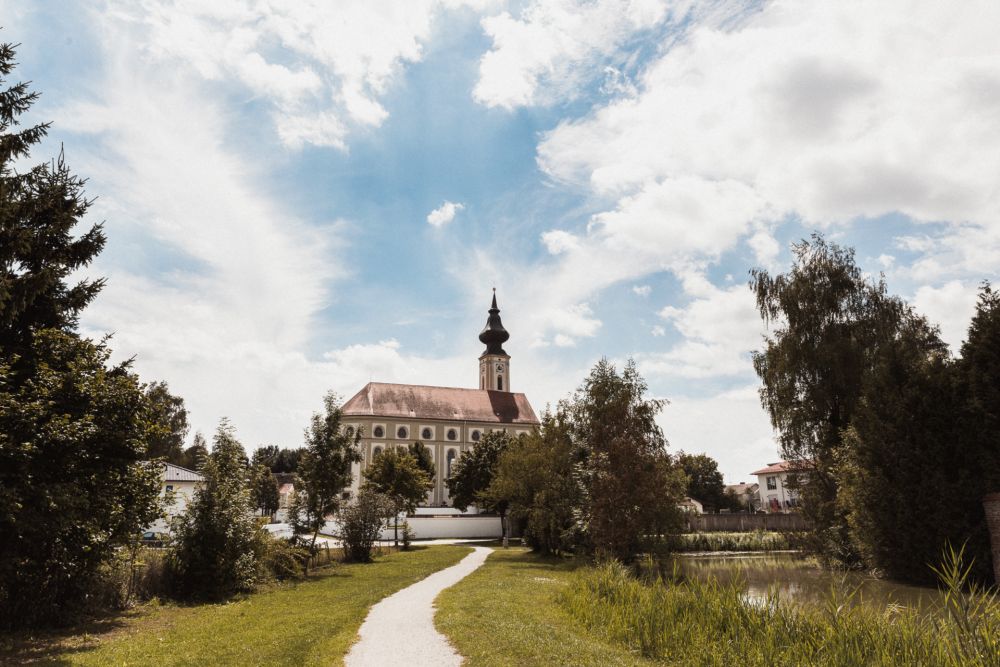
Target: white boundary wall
443,527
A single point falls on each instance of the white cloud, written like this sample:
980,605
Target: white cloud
444,214
951,307
720,328
563,340
659,331
642,291
322,65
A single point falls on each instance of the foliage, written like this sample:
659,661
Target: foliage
170,414
693,623
280,460
196,454
704,481
537,475
397,475
361,523
424,459
264,493
219,543
73,478
754,540
916,406
830,321
630,496
39,208
324,470
473,473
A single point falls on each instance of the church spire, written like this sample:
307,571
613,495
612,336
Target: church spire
494,335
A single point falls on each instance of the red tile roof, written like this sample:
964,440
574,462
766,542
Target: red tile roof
410,401
785,466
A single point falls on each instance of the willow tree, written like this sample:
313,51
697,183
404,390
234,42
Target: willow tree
828,322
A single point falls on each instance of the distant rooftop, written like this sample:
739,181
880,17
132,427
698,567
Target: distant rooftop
785,466
179,474
410,401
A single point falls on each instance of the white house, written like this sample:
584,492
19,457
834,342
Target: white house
775,496
182,483
692,505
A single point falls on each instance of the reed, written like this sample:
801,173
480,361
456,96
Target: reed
692,622
756,540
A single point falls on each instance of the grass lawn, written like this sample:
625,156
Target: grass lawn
505,613
308,623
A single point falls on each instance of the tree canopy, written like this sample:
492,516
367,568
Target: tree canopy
704,481
423,457
397,475
473,473
169,412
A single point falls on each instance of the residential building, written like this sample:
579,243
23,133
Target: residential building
181,482
747,493
692,505
775,495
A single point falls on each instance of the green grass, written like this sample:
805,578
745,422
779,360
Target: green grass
756,540
693,623
505,613
309,623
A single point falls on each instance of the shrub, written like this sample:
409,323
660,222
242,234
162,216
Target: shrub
361,524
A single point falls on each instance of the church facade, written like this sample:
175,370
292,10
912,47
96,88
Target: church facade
448,421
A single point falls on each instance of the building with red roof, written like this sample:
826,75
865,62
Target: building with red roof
775,495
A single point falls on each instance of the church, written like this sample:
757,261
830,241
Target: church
449,421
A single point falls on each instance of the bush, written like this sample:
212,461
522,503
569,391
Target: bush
361,524
220,544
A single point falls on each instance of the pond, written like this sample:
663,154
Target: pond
800,579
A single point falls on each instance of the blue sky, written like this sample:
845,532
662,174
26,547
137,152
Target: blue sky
300,196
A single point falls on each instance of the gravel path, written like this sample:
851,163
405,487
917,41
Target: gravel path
400,629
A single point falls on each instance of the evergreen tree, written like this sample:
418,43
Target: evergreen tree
38,251
171,415
423,457
264,493
219,544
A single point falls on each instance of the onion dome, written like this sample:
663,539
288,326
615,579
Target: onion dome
494,335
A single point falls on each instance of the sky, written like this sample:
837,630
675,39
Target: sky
303,196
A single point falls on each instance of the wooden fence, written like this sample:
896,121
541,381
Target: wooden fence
738,523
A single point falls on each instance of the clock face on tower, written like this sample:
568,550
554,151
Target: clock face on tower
499,368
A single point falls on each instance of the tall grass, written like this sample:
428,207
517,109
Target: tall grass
707,623
756,540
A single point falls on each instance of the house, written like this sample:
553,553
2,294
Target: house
747,493
775,496
692,506
181,482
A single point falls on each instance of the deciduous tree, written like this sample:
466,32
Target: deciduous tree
473,473
170,413
397,475
704,481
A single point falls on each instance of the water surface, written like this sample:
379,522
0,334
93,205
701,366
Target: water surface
800,579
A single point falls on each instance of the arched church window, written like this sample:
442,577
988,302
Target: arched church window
350,430
426,434
500,383
475,436
451,459
379,432
401,433
451,434
376,452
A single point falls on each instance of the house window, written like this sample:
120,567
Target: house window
427,434
500,383
346,495
452,434
170,487
401,433
475,436
451,459
772,483
379,431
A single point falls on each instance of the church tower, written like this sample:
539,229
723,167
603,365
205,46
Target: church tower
494,363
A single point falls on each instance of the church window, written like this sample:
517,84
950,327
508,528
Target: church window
379,431
426,434
475,436
452,435
350,430
482,382
500,383
376,452
451,459
401,433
